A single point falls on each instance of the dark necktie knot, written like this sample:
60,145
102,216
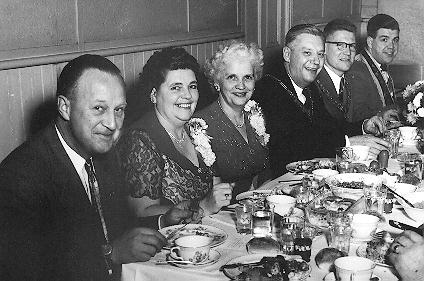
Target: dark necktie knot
383,67
342,88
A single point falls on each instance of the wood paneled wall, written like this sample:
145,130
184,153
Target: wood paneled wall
27,95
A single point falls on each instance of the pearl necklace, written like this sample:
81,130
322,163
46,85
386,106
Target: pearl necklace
238,126
175,139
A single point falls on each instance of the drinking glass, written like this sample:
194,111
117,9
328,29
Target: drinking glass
344,158
375,197
413,165
340,237
244,218
393,137
262,221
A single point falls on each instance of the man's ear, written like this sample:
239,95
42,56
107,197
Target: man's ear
64,107
370,40
286,54
153,96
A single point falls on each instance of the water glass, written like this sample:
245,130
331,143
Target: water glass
262,222
244,219
375,197
413,165
340,237
393,137
344,158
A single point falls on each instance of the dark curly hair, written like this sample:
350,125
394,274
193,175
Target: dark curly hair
157,67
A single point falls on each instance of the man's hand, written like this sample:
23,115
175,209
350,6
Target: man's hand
375,126
407,256
183,211
376,144
138,244
390,115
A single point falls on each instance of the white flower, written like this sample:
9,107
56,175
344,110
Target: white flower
257,121
410,107
420,112
411,118
417,99
201,140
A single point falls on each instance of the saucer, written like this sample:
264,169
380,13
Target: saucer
213,258
331,277
360,240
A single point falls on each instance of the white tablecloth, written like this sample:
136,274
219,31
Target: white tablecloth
235,246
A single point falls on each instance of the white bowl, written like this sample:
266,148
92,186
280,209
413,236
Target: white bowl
417,214
283,204
336,183
404,188
321,174
360,152
408,134
363,225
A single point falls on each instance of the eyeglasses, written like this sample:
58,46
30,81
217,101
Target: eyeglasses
343,45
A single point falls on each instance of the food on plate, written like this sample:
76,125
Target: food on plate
377,248
419,205
325,258
352,184
308,166
317,212
410,178
274,268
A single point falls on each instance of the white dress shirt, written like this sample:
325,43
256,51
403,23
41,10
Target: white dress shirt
298,91
335,78
78,163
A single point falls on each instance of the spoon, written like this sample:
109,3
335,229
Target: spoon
174,261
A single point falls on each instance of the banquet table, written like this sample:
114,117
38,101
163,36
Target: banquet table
235,246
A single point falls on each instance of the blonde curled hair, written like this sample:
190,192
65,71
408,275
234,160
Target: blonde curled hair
234,48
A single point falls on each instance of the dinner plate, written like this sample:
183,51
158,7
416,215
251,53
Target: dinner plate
361,251
218,235
308,166
213,258
252,193
252,258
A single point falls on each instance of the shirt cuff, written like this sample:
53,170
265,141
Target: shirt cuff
159,222
347,141
363,125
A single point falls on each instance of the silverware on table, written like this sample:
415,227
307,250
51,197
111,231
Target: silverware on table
280,181
400,196
158,262
405,226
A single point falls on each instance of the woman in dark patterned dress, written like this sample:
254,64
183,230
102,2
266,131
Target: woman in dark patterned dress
166,155
235,123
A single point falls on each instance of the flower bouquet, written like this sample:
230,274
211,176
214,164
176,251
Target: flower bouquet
414,111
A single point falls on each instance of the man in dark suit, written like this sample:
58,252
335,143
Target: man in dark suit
340,50
372,88
298,123
63,209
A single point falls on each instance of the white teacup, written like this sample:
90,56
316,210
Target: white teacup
360,152
194,248
353,268
408,134
363,225
283,204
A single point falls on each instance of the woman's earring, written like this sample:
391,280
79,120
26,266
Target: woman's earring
217,87
153,96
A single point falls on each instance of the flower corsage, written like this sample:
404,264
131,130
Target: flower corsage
201,140
413,97
256,119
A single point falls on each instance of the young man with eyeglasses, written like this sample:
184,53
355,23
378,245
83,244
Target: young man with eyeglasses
372,88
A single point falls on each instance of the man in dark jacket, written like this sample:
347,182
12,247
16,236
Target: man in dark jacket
63,212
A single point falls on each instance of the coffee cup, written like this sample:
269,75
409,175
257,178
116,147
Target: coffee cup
193,248
408,134
363,225
353,268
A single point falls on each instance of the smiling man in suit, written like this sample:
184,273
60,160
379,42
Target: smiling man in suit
299,125
372,86
63,212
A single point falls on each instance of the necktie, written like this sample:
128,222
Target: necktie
308,103
384,72
342,89
95,201
386,76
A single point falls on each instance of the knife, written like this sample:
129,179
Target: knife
404,226
236,265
